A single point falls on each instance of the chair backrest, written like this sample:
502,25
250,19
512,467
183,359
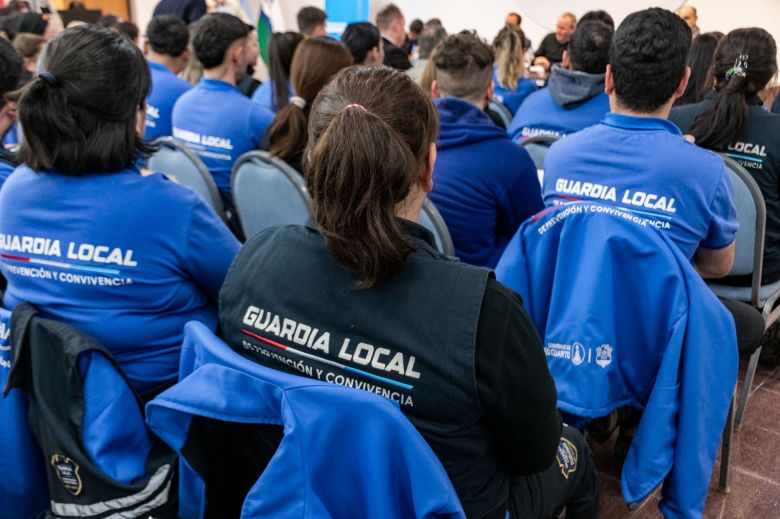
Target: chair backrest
431,219
501,111
389,470
537,147
751,214
268,192
177,160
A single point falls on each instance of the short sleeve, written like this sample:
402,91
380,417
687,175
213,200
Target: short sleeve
723,222
210,248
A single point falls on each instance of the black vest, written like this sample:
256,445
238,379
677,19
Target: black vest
44,365
288,305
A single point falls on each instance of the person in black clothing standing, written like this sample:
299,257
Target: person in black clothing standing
551,49
390,22
362,298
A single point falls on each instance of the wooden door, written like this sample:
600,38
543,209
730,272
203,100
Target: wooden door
117,7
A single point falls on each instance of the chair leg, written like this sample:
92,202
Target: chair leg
725,449
749,376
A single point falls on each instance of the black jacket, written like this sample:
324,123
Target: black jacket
395,57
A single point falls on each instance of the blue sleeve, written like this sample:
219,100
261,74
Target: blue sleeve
522,199
210,248
723,225
259,120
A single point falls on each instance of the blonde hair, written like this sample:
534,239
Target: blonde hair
509,67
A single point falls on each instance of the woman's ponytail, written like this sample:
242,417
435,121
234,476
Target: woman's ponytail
370,134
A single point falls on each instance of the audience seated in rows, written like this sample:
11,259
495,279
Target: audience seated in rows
215,119
700,63
315,62
685,190
510,87
86,237
485,186
10,74
275,93
390,22
470,375
733,120
574,97
167,53
551,49
364,43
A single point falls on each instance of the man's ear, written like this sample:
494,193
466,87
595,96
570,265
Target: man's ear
236,52
609,81
566,60
490,91
683,83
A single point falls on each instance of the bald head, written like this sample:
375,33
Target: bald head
688,13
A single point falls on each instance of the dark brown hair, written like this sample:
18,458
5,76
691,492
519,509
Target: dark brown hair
315,61
370,133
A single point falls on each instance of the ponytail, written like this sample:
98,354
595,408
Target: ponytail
509,67
287,135
745,61
370,133
370,177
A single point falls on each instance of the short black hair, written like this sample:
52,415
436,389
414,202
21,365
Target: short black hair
416,26
168,35
360,38
110,21
72,123
598,16
129,29
309,18
648,57
214,35
10,69
589,47
464,65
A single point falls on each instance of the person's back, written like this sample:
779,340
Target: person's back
215,119
683,190
166,50
390,22
485,186
733,120
126,258
400,319
574,97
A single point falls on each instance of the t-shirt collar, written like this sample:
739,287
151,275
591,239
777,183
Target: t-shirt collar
632,122
217,84
160,67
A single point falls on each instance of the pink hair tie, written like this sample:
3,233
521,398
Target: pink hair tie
355,105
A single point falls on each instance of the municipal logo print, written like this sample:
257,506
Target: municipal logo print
604,355
67,472
567,457
578,354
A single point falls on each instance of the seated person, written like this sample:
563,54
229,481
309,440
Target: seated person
215,119
275,93
454,347
315,62
84,235
29,46
700,61
429,37
683,190
733,120
574,97
485,185
390,22
510,85
167,53
551,49
10,73
365,43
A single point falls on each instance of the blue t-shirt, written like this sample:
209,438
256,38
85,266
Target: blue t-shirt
220,124
643,165
166,89
6,168
125,258
540,115
264,95
484,185
512,99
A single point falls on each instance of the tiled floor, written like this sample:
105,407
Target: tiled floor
755,465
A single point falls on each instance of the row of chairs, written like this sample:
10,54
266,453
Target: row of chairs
266,190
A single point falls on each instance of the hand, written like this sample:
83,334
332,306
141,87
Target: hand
542,62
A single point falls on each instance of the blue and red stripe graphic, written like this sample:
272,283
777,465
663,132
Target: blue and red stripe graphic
61,264
330,362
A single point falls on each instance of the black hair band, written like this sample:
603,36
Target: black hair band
49,78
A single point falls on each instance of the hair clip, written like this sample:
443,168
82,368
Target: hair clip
740,67
357,106
49,79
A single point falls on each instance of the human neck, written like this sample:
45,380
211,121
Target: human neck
661,113
221,73
169,62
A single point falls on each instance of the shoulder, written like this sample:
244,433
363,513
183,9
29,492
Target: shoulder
684,116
